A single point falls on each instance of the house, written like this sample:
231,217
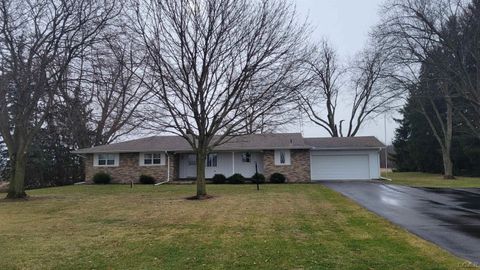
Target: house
299,159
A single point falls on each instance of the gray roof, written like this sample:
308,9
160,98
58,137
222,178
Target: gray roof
247,142
367,142
179,144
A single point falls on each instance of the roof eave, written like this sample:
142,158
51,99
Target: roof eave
86,151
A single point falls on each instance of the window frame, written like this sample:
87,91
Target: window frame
212,160
246,157
283,157
151,157
105,158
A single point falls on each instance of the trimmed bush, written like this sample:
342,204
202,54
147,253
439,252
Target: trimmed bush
258,178
147,179
219,179
277,178
236,179
102,178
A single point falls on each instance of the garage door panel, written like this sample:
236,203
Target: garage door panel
340,167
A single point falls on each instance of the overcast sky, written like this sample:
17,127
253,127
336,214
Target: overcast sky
346,24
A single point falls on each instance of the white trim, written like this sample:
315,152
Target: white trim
141,159
288,159
116,160
373,162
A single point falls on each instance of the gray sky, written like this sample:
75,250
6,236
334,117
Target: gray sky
346,24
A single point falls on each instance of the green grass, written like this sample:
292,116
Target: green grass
279,227
417,179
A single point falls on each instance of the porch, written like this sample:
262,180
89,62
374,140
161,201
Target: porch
245,163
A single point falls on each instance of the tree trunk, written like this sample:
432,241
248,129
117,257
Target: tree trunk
447,149
447,165
201,185
16,188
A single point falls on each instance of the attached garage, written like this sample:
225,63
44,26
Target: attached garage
344,158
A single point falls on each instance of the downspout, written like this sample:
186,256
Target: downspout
168,170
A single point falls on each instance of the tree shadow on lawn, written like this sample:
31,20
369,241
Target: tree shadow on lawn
200,198
28,198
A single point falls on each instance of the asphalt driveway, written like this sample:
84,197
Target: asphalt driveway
449,218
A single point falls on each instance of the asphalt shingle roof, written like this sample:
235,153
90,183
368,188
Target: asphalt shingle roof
179,144
344,143
247,142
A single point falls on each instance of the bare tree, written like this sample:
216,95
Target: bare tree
370,89
38,40
324,89
218,66
104,98
412,31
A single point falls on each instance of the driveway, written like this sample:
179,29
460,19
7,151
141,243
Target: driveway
449,218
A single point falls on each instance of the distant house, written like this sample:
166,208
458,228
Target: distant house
300,159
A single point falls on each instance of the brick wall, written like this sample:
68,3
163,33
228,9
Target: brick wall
129,169
298,171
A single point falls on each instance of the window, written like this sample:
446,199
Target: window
282,157
106,160
192,160
152,159
246,157
212,160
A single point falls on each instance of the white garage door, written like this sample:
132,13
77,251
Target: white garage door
340,167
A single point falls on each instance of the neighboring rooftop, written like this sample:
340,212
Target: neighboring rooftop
344,143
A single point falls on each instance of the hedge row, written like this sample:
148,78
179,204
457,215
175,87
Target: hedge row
237,178
277,178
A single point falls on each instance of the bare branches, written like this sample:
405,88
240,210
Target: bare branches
219,66
106,88
423,38
213,60
38,41
324,88
370,90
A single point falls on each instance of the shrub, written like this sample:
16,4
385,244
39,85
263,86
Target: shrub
102,178
219,179
236,179
277,178
258,178
147,179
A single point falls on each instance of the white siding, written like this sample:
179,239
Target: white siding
247,169
186,170
225,165
345,165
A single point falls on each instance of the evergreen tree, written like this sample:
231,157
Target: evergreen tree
415,147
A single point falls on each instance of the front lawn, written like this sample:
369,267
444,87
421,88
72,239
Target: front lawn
417,179
279,227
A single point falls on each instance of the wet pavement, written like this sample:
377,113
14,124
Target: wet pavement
447,217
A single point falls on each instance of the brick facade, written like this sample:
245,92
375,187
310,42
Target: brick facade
298,171
129,169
